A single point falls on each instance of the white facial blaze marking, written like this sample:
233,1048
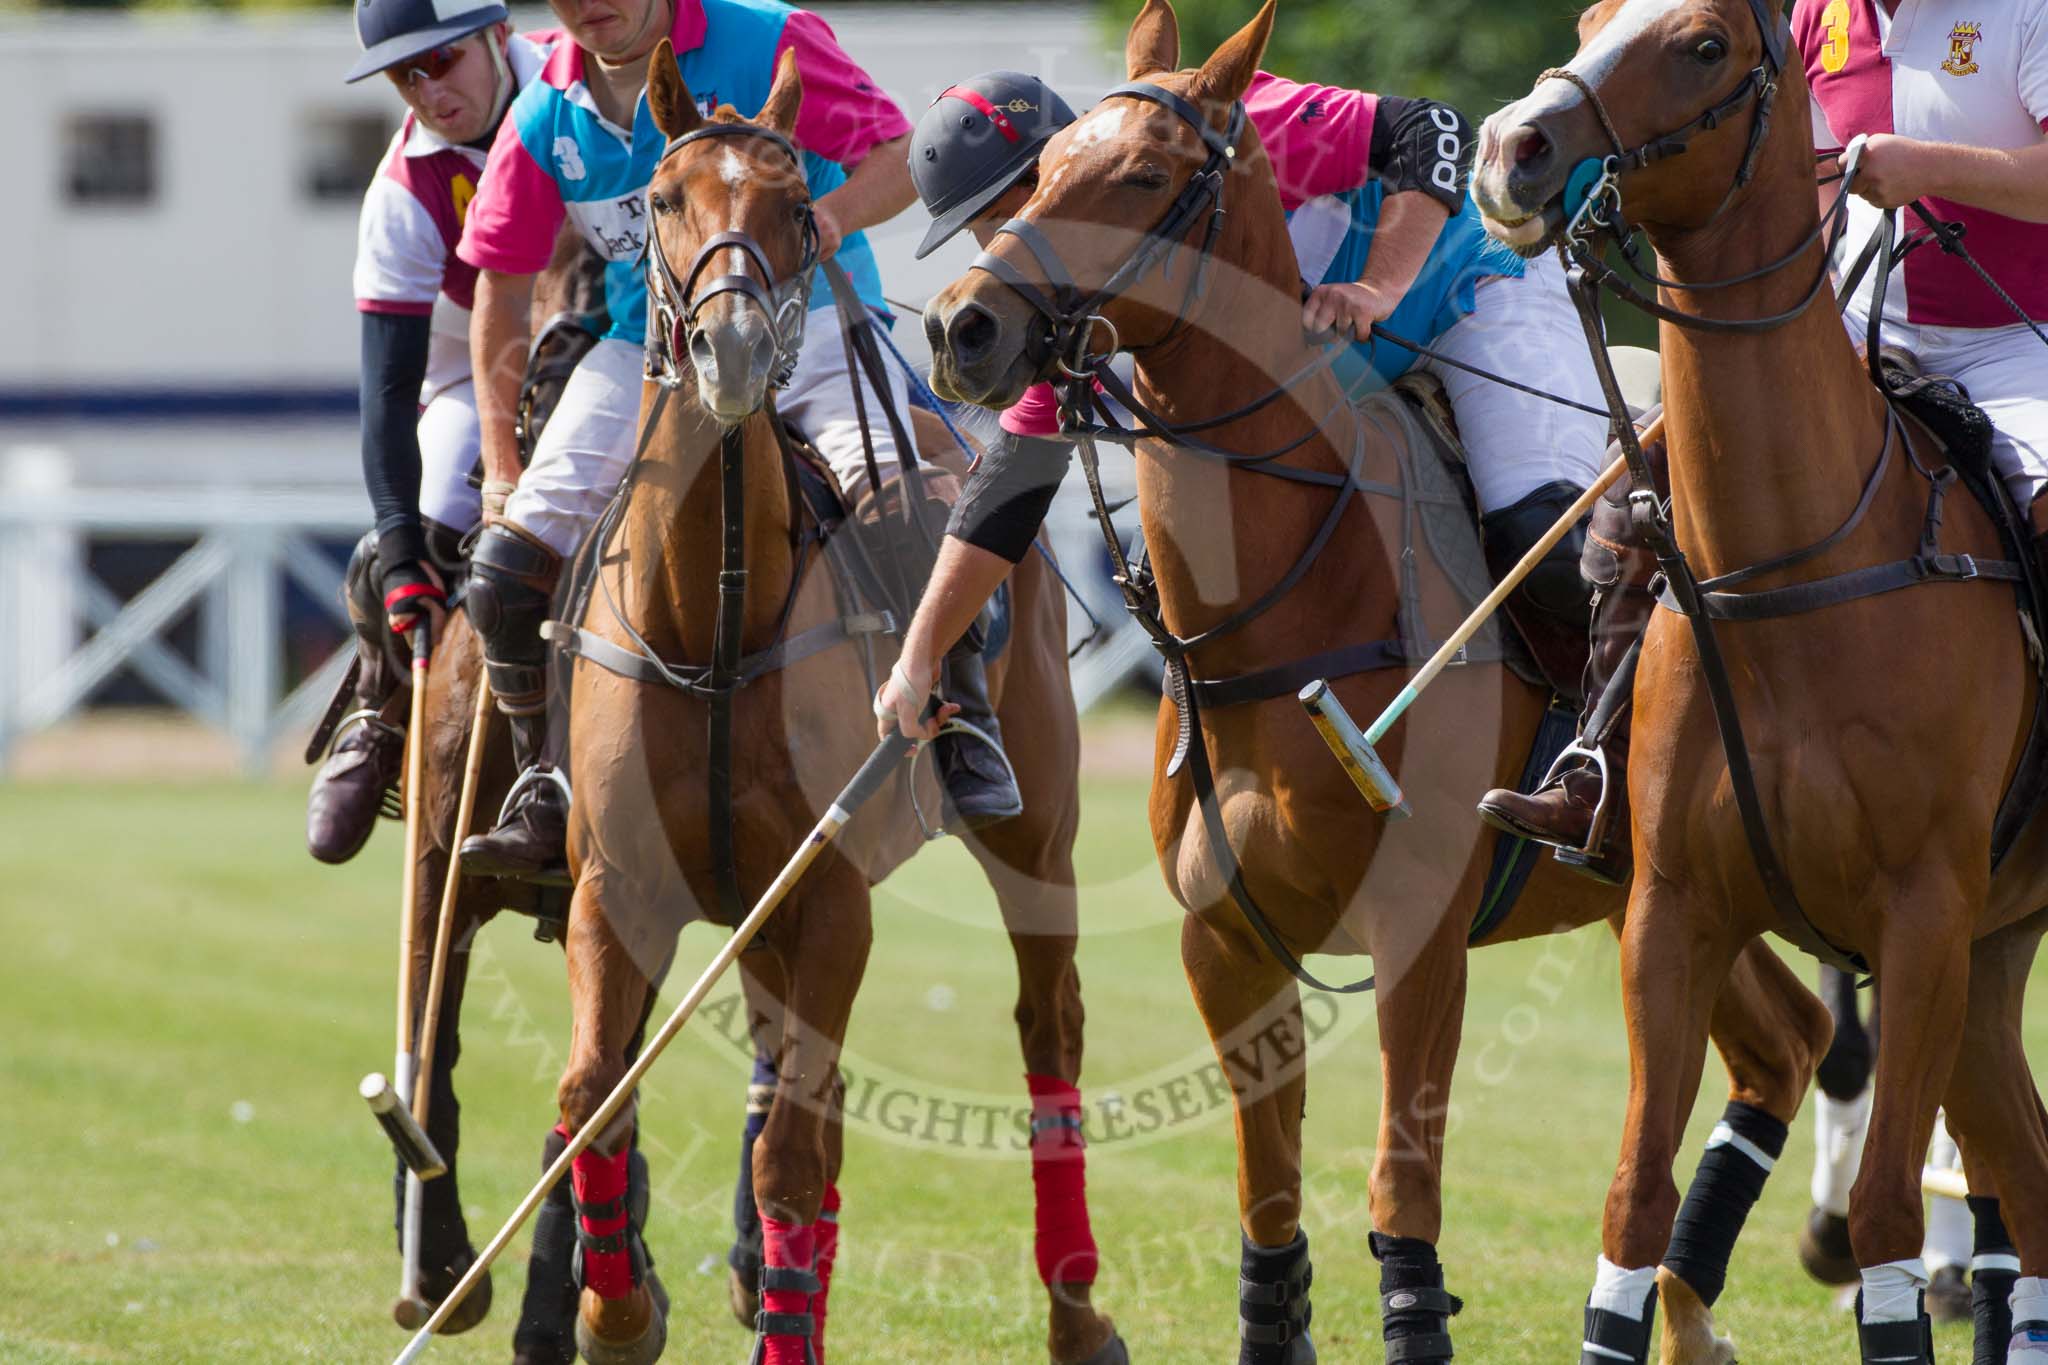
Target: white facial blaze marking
1599,59
1100,126
731,169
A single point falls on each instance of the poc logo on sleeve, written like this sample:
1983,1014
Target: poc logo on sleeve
1450,150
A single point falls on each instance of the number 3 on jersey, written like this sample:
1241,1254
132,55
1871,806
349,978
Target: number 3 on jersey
1834,55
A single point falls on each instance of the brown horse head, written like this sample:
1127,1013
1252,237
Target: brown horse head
1679,81
731,239
1107,187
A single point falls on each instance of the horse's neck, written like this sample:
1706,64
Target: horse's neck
1245,340
1772,435
674,534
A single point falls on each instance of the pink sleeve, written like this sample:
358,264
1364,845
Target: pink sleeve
845,115
1319,137
1037,413
517,211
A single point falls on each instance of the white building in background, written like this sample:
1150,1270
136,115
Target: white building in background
178,336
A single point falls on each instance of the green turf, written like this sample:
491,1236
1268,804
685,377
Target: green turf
189,1002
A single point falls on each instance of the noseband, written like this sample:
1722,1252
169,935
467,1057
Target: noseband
1072,315
675,303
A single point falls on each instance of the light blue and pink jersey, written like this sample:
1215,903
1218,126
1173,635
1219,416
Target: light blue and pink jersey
1977,76
556,155
1319,139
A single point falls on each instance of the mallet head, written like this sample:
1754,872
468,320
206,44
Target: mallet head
411,1142
1348,743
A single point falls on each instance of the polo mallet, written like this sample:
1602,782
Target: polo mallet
388,1099
881,765
1354,748
409,1312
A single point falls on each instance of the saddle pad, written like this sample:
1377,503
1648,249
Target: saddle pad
1433,472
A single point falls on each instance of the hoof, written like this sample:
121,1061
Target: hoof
439,1285
1948,1296
1689,1337
1113,1352
1824,1249
743,1296
641,1318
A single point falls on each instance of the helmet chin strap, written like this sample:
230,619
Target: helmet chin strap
502,92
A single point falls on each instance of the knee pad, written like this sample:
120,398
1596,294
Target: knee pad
386,659
511,586
1554,586
444,549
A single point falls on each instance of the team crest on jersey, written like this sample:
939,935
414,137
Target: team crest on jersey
462,189
1962,50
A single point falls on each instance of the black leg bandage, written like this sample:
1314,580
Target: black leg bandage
1415,1312
1745,1144
1896,1343
1845,1071
512,578
547,1318
1612,1338
1994,1266
1272,1304
745,1256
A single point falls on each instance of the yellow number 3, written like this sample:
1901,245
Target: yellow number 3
1835,19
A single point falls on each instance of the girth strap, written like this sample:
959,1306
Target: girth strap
1285,680
1846,587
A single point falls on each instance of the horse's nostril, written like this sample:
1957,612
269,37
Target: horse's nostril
972,332
1531,146
703,354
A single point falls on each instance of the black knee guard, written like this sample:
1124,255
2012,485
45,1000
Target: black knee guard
1554,587
1415,1311
1613,1337
387,660
512,581
1729,1181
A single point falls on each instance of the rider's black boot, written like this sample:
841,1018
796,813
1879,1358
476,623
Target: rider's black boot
979,788
512,578
360,777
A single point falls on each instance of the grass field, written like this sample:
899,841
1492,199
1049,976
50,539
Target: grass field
189,1002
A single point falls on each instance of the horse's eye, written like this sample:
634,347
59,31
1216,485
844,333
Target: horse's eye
659,204
1711,50
800,212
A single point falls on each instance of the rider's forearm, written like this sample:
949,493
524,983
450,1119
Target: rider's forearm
498,338
878,189
2012,183
965,577
394,365
1408,227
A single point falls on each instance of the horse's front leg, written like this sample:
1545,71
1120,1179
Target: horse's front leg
1922,964
824,942
1771,1033
1675,955
1996,1116
622,1316
1252,1009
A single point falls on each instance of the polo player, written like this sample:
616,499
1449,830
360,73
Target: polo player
419,416
582,143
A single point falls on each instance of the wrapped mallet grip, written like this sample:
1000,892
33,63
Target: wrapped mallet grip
408,1139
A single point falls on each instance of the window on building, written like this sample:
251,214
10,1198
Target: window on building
110,158
342,149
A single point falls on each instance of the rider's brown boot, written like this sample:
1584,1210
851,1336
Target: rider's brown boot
352,786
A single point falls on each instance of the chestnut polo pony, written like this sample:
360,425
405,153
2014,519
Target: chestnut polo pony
728,202
1227,543
1882,731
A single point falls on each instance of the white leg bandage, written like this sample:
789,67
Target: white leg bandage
1838,1130
1622,1291
1951,1233
1891,1292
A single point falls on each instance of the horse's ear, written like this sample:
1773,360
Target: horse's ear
785,97
668,97
1154,44
1228,74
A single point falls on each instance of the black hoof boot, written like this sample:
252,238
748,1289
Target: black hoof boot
1612,1339
1896,1343
1993,1270
546,1334
1272,1304
1415,1312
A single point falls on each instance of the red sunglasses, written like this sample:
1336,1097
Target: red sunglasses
431,65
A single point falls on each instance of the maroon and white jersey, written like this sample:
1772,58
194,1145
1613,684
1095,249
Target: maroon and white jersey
1938,71
412,218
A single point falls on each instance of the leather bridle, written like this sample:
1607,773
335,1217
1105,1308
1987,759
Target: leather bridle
675,303
1073,315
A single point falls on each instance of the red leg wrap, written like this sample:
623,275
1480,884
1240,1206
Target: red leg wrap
828,1252
794,1245
600,1179
1059,1176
